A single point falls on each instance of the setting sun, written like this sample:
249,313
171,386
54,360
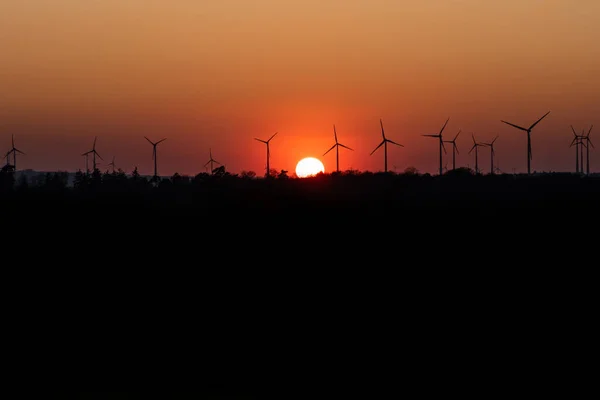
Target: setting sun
309,166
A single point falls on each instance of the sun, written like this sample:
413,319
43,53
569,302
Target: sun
309,166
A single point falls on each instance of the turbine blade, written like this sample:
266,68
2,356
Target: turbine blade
495,139
392,142
260,140
590,142
456,135
475,145
19,151
473,136
98,155
208,162
432,135
443,147
380,144
444,127
13,141
150,141
516,126
382,131
574,141
455,147
161,140
537,122
335,133
272,136
573,129
95,138
344,146
332,147
216,162
590,131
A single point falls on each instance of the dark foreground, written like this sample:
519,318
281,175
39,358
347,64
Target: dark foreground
288,283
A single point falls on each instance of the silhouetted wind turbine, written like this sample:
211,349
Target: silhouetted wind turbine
211,162
268,173
154,155
87,168
384,143
94,153
14,152
337,150
492,152
589,143
528,130
454,149
475,146
441,140
112,164
577,141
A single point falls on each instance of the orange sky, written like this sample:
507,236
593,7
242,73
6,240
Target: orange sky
218,73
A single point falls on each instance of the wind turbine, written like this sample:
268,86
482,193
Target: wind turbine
528,130
154,155
268,153
87,168
475,146
337,150
492,152
14,152
589,143
577,141
212,161
454,149
7,156
94,153
441,140
384,143
112,164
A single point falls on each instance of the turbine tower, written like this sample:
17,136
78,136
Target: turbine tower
475,146
528,130
454,149
211,161
492,153
337,150
441,140
384,143
268,173
112,164
14,152
154,155
578,142
589,143
94,153
587,148
87,168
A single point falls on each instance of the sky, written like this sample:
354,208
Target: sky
214,74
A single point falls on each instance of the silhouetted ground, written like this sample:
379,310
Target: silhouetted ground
288,282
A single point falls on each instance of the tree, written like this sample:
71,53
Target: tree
248,174
411,171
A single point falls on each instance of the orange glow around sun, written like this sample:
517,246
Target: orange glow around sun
309,166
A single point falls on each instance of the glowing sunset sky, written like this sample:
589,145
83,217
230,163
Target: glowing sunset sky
217,73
